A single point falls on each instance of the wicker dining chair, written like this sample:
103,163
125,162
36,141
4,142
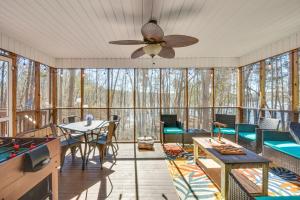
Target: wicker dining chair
103,141
66,142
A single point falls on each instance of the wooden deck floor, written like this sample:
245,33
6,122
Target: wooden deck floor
136,175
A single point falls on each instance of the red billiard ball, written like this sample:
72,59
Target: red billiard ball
16,147
32,146
12,155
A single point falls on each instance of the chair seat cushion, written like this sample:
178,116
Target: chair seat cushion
173,130
248,135
69,142
226,131
102,139
288,147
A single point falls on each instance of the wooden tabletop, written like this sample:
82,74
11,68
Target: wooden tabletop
249,157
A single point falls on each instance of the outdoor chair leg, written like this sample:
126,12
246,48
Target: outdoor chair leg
116,141
73,152
62,158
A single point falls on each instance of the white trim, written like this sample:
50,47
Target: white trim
280,46
9,118
17,47
146,62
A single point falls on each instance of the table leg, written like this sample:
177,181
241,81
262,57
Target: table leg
225,170
265,178
84,153
196,151
182,141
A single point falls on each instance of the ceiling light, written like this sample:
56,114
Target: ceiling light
152,49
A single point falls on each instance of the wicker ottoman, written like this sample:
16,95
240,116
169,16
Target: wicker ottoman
145,143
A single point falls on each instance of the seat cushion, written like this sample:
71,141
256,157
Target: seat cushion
277,198
173,130
288,147
102,139
226,131
69,142
248,135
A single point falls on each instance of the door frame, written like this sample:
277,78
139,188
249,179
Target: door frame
9,118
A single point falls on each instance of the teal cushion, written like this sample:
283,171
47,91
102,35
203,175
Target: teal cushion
248,135
226,131
288,147
173,130
278,198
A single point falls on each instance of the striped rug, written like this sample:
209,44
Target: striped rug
192,183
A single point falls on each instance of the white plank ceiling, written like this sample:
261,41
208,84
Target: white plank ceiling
83,28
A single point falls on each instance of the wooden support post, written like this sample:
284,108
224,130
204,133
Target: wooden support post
108,93
213,93
262,83
240,95
14,94
186,98
37,95
295,84
160,103
82,75
134,106
53,75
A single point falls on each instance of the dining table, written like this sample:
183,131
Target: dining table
85,128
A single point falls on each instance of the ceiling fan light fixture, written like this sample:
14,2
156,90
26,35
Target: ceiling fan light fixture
152,49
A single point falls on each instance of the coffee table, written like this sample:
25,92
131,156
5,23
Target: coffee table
218,166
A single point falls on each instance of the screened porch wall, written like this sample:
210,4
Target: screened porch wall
140,96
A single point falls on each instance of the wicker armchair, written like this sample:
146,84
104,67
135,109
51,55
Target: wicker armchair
228,131
250,135
171,128
281,148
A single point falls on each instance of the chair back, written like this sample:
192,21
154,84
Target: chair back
169,120
229,120
71,119
268,123
111,132
54,130
294,128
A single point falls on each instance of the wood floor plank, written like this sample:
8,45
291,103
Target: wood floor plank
135,175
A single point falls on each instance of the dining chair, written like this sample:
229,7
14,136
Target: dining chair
73,119
66,142
116,119
103,141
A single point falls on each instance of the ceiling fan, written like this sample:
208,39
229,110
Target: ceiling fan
156,42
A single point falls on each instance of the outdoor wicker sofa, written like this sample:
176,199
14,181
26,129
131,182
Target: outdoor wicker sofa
250,135
238,192
281,148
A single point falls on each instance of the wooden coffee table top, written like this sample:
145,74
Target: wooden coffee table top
249,157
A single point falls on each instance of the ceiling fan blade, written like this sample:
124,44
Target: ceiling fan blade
127,42
137,53
179,40
152,32
167,52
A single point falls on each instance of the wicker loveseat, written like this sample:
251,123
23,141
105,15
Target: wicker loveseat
281,148
250,135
